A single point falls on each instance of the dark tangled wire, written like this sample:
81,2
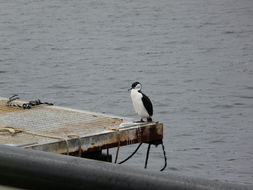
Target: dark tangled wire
27,105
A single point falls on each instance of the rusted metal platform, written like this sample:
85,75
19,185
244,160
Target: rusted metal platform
62,130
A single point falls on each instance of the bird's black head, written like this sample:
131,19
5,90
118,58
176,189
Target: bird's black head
136,86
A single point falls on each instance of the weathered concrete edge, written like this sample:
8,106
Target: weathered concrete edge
105,139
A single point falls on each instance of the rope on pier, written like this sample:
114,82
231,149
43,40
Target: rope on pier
14,130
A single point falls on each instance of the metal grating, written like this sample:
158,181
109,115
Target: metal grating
51,120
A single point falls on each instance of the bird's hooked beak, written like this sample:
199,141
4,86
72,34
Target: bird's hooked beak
130,89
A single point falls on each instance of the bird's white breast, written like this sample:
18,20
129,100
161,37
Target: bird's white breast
138,104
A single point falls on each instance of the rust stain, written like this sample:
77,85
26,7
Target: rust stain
151,134
61,131
103,121
155,132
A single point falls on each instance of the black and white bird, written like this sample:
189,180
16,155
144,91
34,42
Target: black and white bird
141,103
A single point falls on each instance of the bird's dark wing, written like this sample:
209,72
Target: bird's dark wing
147,104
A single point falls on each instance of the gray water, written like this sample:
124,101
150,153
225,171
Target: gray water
193,57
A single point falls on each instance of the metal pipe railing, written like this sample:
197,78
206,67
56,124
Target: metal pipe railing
41,170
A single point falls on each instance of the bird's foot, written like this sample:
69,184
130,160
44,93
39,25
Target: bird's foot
149,119
141,121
